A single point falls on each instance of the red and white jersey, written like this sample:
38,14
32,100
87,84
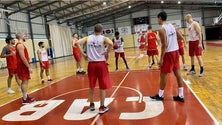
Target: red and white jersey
120,43
193,34
43,54
95,48
171,43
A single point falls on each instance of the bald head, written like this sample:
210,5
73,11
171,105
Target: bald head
19,35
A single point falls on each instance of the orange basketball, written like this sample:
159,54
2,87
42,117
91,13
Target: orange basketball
115,46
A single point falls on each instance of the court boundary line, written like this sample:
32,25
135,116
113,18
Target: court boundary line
98,115
201,103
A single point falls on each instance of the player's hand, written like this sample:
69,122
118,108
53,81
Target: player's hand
30,70
85,56
160,63
43,65
200,46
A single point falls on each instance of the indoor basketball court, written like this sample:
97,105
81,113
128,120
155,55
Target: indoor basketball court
65,99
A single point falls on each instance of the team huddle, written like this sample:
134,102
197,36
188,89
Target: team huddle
97,49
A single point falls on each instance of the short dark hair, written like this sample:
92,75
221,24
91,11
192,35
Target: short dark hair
8,39
74,34
149,27
98,28
117,33
163,15
40,43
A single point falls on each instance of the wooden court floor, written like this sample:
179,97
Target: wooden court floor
208,88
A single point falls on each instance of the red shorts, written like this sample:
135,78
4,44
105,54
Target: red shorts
77,56
98,70
46,65
194,49
152,52
121,54
23,72
142,46
170,62
11,71
181,51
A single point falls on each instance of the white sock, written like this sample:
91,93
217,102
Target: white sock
161,93
181,92
24,95
48,77
81,69
77,69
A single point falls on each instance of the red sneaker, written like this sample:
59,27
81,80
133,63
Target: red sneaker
92,106
28,101
103,109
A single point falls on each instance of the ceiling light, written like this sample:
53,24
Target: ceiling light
104,3
129,6
162,1
179,2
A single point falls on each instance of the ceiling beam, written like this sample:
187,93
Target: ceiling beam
59,9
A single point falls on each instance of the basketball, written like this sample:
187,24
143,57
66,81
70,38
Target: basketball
115,46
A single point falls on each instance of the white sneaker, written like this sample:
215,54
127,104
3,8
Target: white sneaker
185,67
10,91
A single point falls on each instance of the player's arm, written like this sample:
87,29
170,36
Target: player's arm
162,35
122,42
179,35
198,30
146,40
81,42
39,56
4,54
108,43
20,49
157,39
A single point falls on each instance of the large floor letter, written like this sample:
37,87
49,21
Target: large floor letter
75,110
152,109
37,111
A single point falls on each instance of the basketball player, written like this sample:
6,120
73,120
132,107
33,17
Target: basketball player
23,67
77,56
43,61
169,58
97,68
195,45
119,52
152,51
181,46
9,52
142,42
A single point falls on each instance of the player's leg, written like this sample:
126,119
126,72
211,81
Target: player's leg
9,82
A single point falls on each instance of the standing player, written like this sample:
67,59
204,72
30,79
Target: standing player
152,51
119,51
169,58
77,56
23,67
181,46
195,45
142,42
97,68
43,61
9,52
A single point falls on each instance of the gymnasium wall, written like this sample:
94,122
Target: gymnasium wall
19,22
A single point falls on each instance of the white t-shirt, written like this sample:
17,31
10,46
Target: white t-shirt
120,43
171,44
95,48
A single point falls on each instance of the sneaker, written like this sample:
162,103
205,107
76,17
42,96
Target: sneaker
28,100
49,80
103,109
185,68
201,74
157,97
42,81
78,72
178,98
191,72
92,106
127,68
150,66
82,72
10,91
116,70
